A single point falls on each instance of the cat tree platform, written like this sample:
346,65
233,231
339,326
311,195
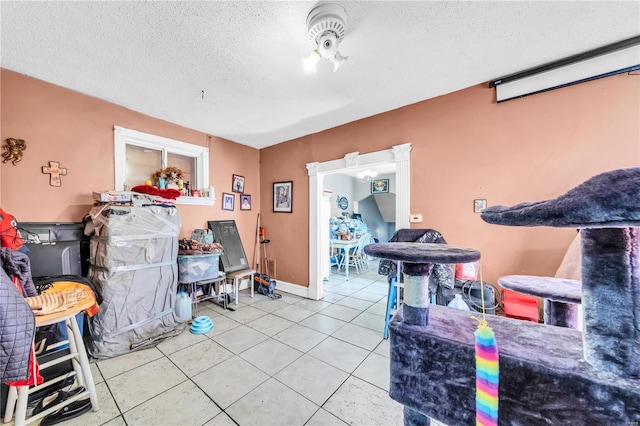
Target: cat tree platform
544,379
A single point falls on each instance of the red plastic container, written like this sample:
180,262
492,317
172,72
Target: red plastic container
520,306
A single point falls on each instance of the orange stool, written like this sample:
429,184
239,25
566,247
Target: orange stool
19,395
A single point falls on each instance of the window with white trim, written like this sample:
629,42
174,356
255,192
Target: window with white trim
139,155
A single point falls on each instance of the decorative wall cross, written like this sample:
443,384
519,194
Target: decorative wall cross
55,171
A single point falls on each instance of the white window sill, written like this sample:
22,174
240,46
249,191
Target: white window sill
196,201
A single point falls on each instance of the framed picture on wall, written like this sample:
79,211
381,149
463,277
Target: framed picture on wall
245,202
237,184
283,197
379,186
228,201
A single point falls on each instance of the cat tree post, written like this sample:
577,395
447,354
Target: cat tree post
416,259
611,299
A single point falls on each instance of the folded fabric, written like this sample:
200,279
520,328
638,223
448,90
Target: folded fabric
18,264
163,201
52,302
34,377
171,194
73,285
186,246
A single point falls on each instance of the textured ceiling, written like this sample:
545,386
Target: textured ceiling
158,57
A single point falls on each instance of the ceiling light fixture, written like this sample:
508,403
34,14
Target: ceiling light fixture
367,175
326,26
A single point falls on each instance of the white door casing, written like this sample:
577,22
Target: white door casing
398,154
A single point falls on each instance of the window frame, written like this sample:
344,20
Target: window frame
123,137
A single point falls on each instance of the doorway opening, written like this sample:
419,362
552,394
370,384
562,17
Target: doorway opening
398,155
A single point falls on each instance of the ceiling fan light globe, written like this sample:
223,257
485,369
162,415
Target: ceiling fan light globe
338,60
310,63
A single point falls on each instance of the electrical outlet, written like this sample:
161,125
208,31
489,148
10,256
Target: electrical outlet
479,204
415,218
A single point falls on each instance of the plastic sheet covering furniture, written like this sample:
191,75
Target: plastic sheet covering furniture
133,266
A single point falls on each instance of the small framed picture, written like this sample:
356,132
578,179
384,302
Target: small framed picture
245,202
227,201
283,197
237,184
378,186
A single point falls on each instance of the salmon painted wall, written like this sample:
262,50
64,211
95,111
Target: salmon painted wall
77,130
466,146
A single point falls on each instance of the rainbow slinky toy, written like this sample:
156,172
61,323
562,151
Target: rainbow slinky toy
487,369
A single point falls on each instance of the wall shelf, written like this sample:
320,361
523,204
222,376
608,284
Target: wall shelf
196,201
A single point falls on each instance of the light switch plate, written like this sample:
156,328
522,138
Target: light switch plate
415,218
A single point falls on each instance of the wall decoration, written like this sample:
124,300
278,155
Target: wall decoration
245,202
228,201
55,171
343,203
13,150
237,184
379,186
283,197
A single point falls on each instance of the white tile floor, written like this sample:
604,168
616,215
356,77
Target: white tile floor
291,361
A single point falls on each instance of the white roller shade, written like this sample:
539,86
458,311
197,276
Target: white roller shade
623,60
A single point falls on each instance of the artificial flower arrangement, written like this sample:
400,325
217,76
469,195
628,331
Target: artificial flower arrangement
171,174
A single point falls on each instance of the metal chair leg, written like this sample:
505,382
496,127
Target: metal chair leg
391,301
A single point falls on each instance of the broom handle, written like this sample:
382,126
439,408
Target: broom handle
257,247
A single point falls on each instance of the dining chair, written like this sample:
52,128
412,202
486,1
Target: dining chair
364,257
334,257
356,254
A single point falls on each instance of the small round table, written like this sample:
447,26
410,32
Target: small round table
416,259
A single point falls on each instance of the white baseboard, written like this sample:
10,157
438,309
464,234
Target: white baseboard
296,289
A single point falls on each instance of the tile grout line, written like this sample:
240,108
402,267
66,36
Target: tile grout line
269,376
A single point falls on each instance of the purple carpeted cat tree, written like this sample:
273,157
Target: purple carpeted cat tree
548,375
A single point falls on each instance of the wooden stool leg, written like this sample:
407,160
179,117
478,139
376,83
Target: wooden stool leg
11,403
21,408
84,364
73,348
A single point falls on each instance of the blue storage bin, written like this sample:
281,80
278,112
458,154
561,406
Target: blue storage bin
198,267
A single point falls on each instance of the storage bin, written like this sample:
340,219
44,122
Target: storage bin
519,306
198,267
